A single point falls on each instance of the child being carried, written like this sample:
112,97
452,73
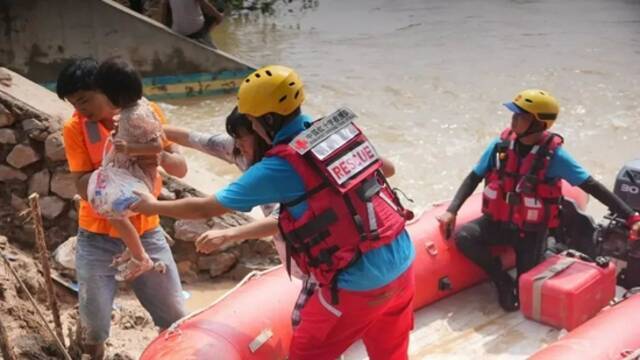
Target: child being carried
111,188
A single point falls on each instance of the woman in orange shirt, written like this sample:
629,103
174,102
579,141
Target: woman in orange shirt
85,134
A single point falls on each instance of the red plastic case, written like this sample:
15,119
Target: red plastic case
569,291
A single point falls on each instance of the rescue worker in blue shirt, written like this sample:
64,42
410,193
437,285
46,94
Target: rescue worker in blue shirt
271,98
521,200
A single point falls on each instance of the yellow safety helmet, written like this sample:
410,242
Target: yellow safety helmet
538,102
271,89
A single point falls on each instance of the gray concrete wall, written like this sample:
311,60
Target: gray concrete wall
38,36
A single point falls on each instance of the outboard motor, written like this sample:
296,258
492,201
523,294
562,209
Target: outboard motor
627,185
612,234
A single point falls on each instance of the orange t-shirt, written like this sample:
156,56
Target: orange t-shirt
80,161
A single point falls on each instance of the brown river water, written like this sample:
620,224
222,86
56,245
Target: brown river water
428,77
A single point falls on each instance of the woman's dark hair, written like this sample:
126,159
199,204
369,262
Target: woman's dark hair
237,122
76,76
119,81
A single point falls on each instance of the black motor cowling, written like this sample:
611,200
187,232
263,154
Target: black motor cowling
627,185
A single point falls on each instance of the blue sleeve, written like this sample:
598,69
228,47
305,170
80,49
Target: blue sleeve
380,266
564,166
271,180
487,159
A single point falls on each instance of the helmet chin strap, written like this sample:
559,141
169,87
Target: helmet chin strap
532,129
271,124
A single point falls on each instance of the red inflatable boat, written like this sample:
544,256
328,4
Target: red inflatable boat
613,334
253,320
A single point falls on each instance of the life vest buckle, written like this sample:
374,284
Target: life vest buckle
512,198
527,185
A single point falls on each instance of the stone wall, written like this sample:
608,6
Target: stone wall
32,159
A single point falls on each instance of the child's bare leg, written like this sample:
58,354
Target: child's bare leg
130,237
130,268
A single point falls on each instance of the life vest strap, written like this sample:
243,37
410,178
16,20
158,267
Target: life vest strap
334,281
314,226
324,257
306,195
512,198
373,223
369,189
306,245
541,155
357,220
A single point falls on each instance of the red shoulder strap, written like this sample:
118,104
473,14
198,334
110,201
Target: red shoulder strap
507,134
281,150
556,141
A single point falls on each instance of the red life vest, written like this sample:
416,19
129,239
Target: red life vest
351,208
517,191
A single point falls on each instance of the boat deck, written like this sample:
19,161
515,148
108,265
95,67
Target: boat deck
471,325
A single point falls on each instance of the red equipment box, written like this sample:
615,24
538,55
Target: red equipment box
565,291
